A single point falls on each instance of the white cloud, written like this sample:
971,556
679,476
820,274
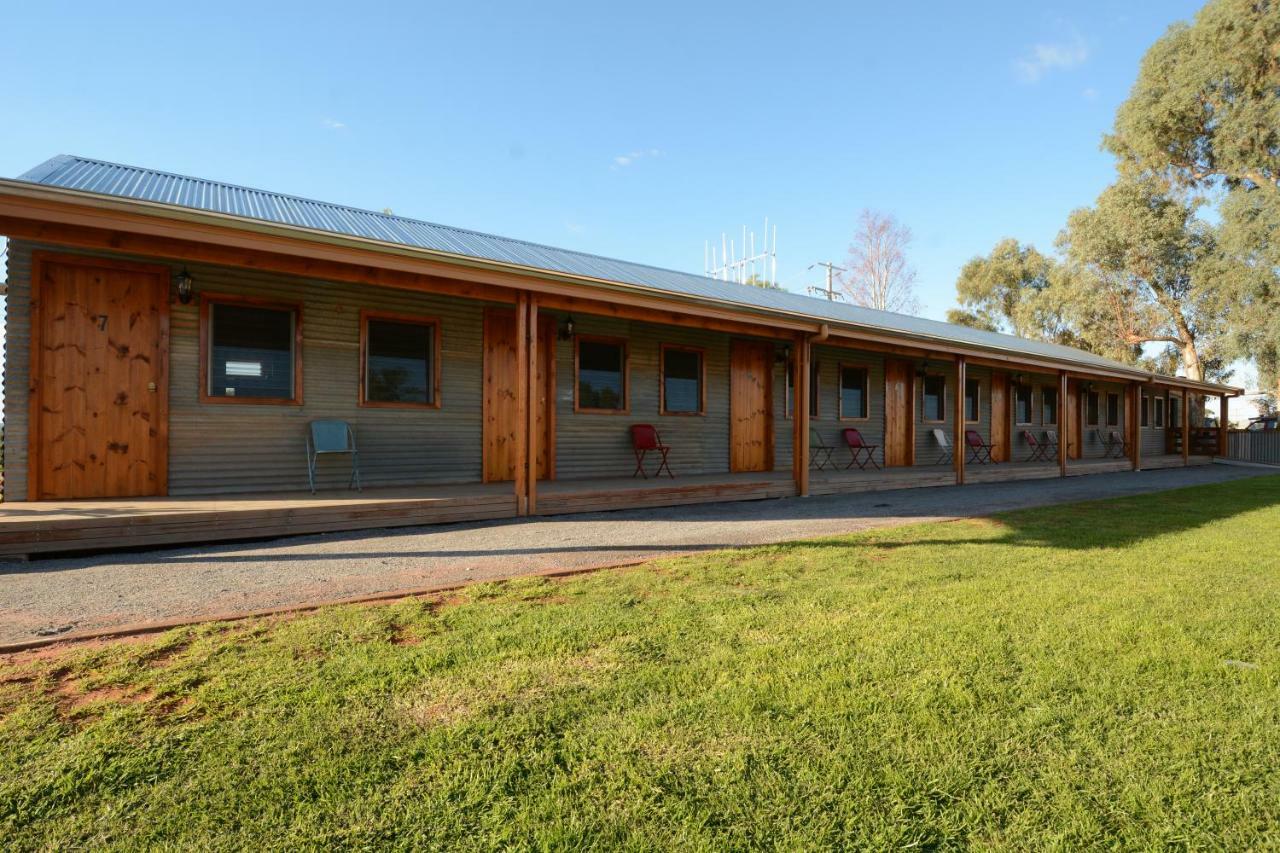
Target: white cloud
624,160
1046,57
1090,94
575,227
333,124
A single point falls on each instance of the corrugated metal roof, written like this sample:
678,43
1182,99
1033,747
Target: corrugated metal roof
113,179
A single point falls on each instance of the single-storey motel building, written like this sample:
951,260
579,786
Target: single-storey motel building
170,340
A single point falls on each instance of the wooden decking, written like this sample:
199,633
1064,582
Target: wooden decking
50,527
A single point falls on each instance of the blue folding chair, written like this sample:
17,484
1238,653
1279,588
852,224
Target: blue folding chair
332,437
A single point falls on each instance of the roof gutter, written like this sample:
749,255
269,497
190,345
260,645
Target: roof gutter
98,201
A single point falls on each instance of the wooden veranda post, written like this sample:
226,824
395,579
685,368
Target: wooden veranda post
800,414
958,441
531,441
1222,427
1064,432
1134,427
522,404
1186,428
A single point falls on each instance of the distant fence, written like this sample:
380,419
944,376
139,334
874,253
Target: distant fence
1258,445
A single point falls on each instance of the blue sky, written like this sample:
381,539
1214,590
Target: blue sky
632,131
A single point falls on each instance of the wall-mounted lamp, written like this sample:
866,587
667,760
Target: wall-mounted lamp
566,329
783,355
923,372
184,282
1020,379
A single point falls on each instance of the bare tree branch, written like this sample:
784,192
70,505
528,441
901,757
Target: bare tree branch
877,273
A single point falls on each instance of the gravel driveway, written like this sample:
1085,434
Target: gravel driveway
76,595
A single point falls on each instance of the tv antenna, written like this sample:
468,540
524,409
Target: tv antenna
742,262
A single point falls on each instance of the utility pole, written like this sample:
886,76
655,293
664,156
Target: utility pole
830,291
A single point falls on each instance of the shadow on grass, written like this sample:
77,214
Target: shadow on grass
1109,522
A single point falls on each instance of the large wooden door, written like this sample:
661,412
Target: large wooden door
1000,452
899,413
100,379
501,408
1072,415
751,406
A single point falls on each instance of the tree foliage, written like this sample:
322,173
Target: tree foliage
1204,115
1141,266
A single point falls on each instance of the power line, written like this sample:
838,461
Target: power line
829,291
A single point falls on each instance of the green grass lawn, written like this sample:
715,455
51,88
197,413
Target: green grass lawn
1100,675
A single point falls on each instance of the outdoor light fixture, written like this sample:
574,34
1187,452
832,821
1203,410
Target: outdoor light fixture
566,330
923,372
184,281
784,354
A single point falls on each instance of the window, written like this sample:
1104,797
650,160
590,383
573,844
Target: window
1022,405
1159,412
1175,412
400,361
682,381
1092,404
814,372
1113,410
1048,406
935,399
972,401
250,351
854,382
1146,407
601,367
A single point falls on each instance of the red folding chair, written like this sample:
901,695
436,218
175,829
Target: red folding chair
644,438
860,452
979,450
1039,449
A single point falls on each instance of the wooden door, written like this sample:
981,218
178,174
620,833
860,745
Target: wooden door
1071,420
751,406
1000,417
501,427
100,379
899,413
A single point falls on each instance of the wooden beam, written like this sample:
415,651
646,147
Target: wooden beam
1223,426
1064,429
152,236
1186,428
800,414
1135,428
960,446
532,440
666,317
522,404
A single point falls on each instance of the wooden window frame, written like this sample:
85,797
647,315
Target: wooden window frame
815,387
578,408
1018,388
409,320
1144,414
1159,405
207,301
1171,421
1057,408
866,391
978,400
924,381
662,380
1113,395
1097,421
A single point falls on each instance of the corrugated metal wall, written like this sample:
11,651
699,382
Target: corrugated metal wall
17,376
221,448
224,448
591,444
